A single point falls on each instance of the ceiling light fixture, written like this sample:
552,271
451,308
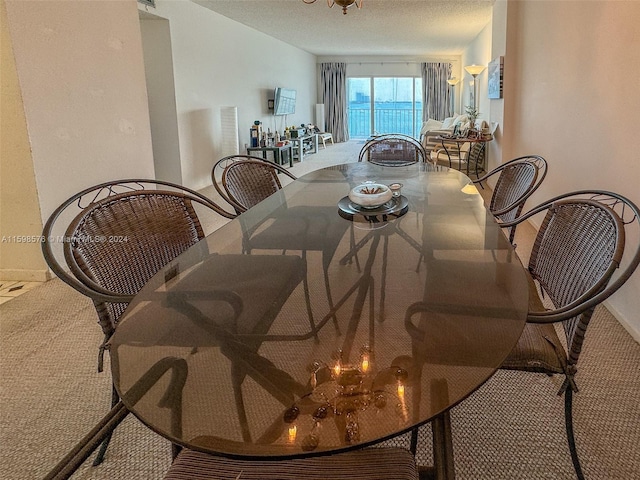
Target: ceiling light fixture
341,3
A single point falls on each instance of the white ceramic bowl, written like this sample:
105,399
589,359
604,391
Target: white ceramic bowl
370,195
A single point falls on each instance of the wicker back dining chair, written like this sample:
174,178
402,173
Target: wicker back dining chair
580,257
517,179
393,150
248,181
120,234
108,240
246,192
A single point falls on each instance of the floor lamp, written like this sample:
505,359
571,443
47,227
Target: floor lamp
474,71
453,81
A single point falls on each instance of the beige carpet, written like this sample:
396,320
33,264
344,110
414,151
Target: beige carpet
511,428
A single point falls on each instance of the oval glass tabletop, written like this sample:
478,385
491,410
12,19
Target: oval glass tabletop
288,333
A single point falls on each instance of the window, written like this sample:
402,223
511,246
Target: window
384,105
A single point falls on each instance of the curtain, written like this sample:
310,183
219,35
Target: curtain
436,93
334,96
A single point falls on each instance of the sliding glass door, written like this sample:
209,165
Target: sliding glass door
380,105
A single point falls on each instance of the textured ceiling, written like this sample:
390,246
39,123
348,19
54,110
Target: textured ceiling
380,27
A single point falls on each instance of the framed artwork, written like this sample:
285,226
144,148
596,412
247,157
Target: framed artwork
495,73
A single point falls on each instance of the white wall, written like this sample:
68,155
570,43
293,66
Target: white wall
571,95
219,62
82,79
495,108
19,210
478,53
487,46
80,73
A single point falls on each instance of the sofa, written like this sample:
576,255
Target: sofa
431,129
434,147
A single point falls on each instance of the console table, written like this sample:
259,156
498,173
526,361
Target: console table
278,153
305,144
475,153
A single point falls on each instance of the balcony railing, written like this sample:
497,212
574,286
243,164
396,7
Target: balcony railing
386,120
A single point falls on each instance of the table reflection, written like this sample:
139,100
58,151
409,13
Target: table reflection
261,382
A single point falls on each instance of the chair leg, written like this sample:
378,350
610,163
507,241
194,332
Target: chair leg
353,252
307,298
83,450
237,377
568,417
443,447
103,447
352,245
327,287
383,283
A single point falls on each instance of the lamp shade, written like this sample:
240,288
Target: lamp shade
474,69
453,81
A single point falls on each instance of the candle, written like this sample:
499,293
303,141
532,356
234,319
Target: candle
365,363
293,431
337,369
402,406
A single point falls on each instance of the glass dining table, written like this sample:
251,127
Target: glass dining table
413,305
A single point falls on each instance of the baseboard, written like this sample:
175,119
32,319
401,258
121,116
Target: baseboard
23,275
631,329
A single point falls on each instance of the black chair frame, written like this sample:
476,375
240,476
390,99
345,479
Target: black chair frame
517,180
218,170
420,153
574,312
109,304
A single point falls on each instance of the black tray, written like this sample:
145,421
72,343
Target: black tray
396,207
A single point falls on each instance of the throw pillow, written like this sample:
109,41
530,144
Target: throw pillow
461,119
430,124
447,123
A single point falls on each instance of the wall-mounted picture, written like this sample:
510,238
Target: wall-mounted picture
495,73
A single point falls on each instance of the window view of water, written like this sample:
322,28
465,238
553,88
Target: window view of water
388,117
384,105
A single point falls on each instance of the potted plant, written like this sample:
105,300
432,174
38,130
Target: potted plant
473,114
